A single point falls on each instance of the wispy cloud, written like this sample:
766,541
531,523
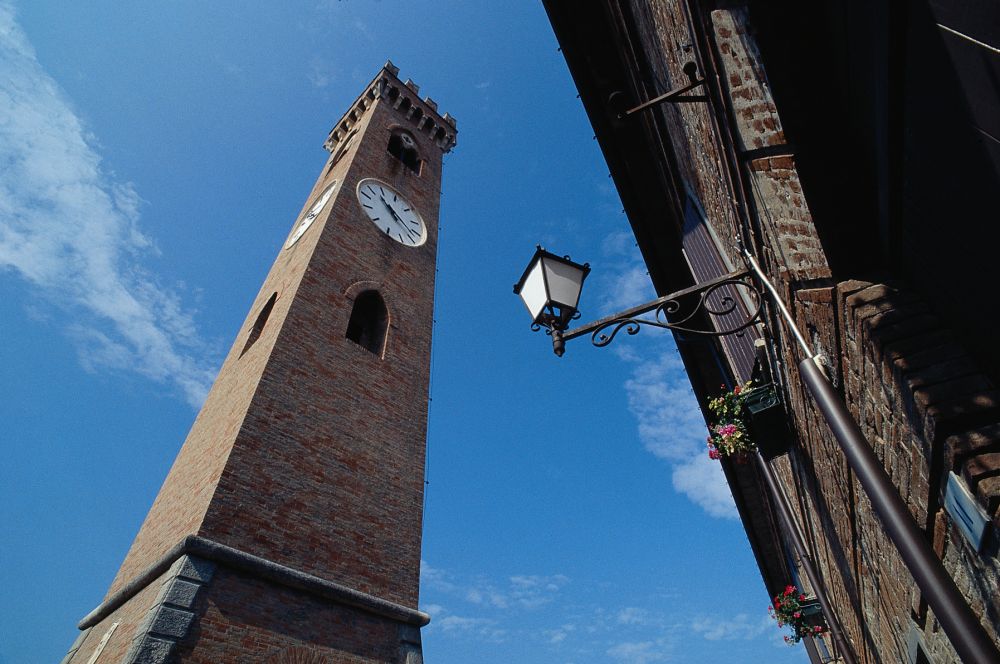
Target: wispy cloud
640,652
741,627
70,230
631,615
320,73
652,627
362,28
701,480
484,629
669,422
522,591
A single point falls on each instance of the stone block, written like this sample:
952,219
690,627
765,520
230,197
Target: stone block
171,622
151,651
180,593
195,569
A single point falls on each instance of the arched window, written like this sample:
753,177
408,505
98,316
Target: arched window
258,325
369,322
403,147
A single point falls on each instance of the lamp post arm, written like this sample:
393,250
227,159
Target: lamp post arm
634,312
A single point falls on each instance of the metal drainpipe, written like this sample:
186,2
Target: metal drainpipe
960,624
844,649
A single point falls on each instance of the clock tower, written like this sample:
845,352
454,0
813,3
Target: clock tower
288,528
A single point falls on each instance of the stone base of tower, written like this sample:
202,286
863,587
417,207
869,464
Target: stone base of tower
212,604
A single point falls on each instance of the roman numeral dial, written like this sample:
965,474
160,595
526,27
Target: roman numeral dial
391,213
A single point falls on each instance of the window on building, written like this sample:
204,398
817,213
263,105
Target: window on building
369,322
258,325
403,147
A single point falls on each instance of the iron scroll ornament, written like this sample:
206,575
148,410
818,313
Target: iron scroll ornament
718,299
723,305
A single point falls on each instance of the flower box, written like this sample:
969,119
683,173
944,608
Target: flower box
800,613
767,421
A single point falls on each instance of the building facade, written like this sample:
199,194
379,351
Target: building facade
854,150
289,527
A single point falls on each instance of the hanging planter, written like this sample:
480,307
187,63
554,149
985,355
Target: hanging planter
746,419
767,421
803,614
729,434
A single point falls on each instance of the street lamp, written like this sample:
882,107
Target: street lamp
550,288
551,284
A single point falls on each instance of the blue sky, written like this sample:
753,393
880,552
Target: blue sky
155,157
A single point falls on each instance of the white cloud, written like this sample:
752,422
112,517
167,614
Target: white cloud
559,634
362,28
631,285
320,73
660,397
70,230
534,591
631,615
639,652
483,629
740,627
528,591
672,428
701,479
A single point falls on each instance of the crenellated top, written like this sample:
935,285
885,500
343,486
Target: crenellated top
421,113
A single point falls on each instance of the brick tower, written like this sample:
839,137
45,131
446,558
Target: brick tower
288,529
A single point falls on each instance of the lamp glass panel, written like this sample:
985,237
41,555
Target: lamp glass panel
565,282
533,291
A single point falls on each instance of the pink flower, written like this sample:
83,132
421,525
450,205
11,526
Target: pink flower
802,598
789,590
736,390
797,614
726,430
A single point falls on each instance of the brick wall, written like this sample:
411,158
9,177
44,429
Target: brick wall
915,392
283,626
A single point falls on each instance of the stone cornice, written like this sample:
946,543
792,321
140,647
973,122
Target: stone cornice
403,96
227,556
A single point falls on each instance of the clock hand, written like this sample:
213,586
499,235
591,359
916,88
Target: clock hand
395,216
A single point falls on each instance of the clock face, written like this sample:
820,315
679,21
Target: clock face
391,213
309,217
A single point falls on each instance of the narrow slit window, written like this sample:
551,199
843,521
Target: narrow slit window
258,325
403,147
369,322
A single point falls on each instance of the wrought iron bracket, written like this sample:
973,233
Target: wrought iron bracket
676,311
676,95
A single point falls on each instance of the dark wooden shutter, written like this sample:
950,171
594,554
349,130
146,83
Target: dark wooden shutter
705,261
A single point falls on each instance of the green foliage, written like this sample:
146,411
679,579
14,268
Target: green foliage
789,609
728,432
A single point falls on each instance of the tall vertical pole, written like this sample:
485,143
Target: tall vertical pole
960,624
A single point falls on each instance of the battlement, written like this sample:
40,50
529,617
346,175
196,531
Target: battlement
404,96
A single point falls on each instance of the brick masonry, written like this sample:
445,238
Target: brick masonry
309,449
915,392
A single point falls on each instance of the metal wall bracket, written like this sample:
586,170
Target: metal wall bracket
678,311
676,95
